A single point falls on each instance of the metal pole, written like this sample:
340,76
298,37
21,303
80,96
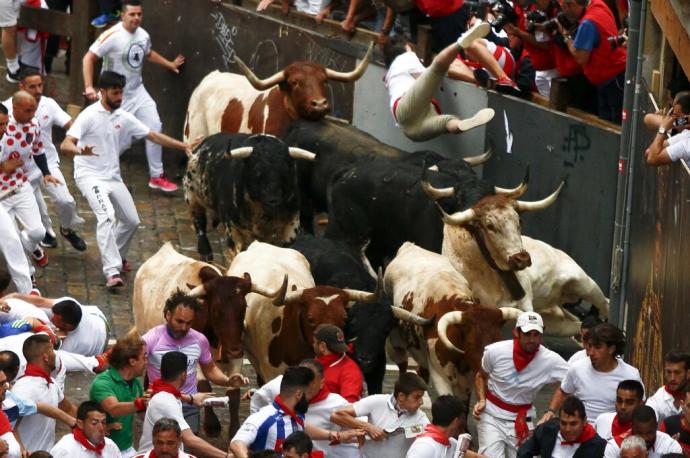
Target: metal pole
626,161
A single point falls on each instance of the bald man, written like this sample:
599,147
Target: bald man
20,148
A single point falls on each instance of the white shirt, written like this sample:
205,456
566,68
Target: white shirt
265,395
426,447
161,405
16,343
381,412
312,7
68,447
577,356
662,403
561,450
20,309
124,53
180,454
38,431
662,445
401,75
48,114
515,387
264,429
13,449
679,146
106,132
603,425
597,390
90,336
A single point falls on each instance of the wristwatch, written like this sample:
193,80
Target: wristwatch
662,130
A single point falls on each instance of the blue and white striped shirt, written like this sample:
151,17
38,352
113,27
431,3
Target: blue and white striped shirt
268,428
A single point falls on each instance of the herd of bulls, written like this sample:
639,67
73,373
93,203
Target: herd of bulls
456,265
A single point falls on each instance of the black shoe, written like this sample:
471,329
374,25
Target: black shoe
482,77
13,77
48,241
74,239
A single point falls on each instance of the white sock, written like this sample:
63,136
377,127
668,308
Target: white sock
13,65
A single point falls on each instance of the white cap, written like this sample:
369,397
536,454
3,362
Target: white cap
530,321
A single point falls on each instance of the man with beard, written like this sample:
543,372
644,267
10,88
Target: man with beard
177,334
513,372
167,440
88,439
629,396
166,402
644,425
98,136
668,400
678,426
269,427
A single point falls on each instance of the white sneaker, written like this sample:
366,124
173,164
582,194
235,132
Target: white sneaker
479,30
480,118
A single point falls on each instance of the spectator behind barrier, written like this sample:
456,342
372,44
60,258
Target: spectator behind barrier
664,150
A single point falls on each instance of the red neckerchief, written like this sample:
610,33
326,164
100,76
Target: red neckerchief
320,396
436,433
278,401
327,360
619,438
33,370
159,385
153,454
677,395
521,427
80,437
618,428
520,357
587,434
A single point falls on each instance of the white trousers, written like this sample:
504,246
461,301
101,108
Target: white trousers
143,107
13,251
497,437
116,217
542,80
23,207
129,453
64,202
77,363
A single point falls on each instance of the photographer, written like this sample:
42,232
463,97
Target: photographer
665,150
603,64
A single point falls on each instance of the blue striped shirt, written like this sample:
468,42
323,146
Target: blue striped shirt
267,428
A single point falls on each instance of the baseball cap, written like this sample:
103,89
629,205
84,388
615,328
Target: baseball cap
333,337
530,321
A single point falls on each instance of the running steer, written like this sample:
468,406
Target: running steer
249,183
228,102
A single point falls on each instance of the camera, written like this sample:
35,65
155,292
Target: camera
533,18
505,14
681,121
618,40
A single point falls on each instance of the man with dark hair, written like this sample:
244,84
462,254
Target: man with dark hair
512,373
87,439
588,323
119,391
49,114
124,48
644,425
570,435
665,149
177,334
668,400
101,132
341,374
167,441
678,426
393,420
297,445
166,402
629,396
595,380
9,441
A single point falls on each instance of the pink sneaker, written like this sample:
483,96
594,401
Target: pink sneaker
114,281
162,183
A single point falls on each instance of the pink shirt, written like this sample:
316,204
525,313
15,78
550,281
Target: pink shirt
194,345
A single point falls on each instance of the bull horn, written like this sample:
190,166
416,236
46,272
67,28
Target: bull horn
514,193
278,295
355,74
293,296
240,153
510,313
299,153
474,161
401,314
521,206
197,292
354,295
259,84
436,193
446,320
458,218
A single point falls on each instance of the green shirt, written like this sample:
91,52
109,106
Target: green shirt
110,383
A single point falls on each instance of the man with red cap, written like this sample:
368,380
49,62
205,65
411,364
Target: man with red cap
512,373
341,374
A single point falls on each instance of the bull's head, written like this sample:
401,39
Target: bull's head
495,223
304,84
224,298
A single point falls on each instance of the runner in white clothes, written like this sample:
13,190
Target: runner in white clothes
87,439
167,441
513,372
98,136
587,324
595,380
22,145
668,399
629,396
644,425
13,252
49,114
123,48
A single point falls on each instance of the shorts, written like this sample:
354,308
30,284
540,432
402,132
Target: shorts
9,12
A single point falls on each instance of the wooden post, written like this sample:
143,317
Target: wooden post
83,11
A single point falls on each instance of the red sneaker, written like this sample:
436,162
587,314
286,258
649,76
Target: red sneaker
39,257
103,361
507,86
163,184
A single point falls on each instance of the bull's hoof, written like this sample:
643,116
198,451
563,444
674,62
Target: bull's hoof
211,425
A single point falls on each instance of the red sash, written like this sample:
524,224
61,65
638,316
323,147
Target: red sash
436,433
521,428
587,434
80,437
